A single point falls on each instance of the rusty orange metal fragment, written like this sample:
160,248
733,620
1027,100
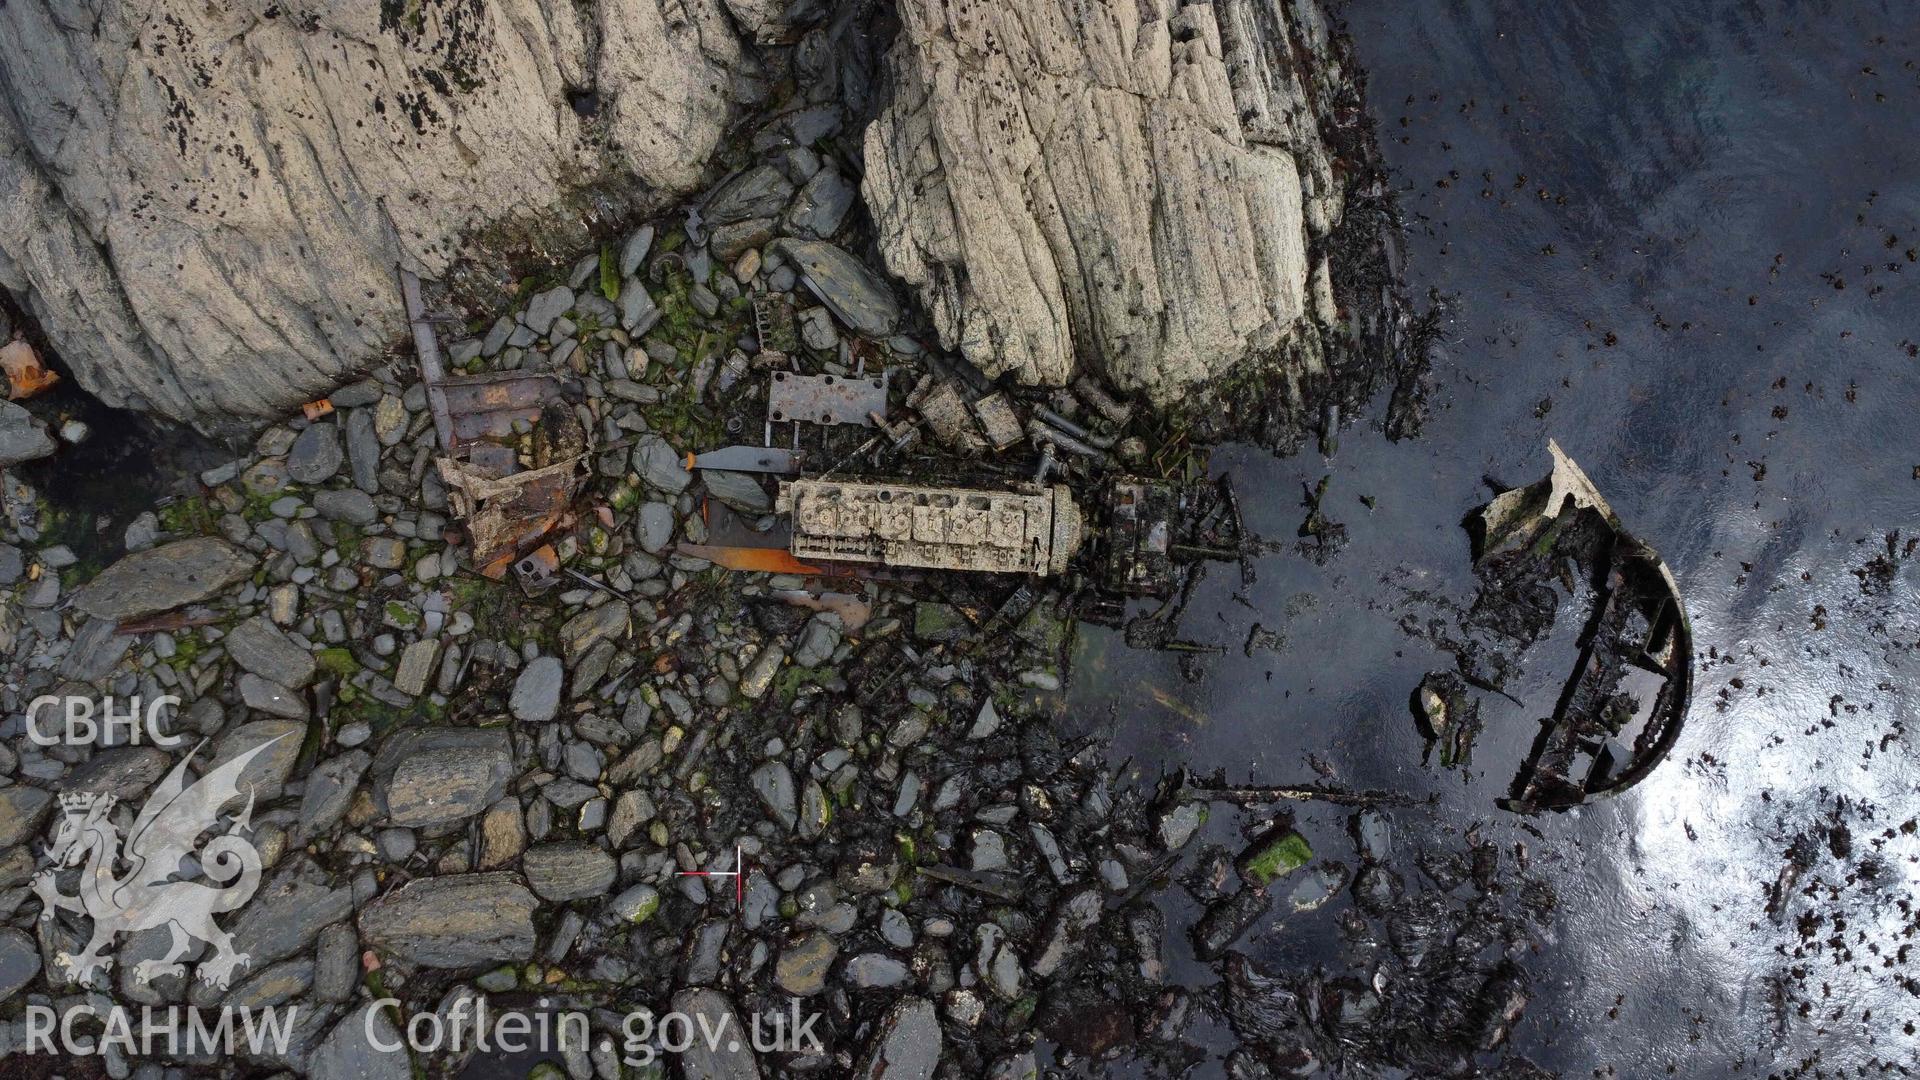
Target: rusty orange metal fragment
767,560
504,515
26,375
317,409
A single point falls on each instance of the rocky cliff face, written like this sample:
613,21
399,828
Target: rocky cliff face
1139,187
204,203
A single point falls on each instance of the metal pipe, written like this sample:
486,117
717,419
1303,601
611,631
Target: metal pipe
1041,433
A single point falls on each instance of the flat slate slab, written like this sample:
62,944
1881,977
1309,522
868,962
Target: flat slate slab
454,921
164,578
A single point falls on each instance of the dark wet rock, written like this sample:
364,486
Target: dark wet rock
264,649
1180,822
742,491
608,622
351,505
19,962
271,698
316,455
562,872
536,693
1227,919
822,205
636,904
123,772
761,191
870,971
773,782
803,965
267,773
1317,886
704,951
1376,889
454,921
858,297
22,436
1071,919
22,811
288,912
546,307
818,640
907,1044
730,1059
336,965
438,775
12,565
351,1050
160,579
1373,832
363,450
97,647
868,867
660,465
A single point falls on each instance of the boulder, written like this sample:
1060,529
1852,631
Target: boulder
455,921
206,205
1125,187
431,776
162,578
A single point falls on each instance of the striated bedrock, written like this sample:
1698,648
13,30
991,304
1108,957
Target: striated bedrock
1135,187
204,203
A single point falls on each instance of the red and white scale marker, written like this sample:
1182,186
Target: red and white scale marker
738,874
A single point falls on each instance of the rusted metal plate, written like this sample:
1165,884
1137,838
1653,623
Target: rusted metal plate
487,406
826,399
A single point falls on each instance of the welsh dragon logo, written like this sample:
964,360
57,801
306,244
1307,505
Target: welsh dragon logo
159,855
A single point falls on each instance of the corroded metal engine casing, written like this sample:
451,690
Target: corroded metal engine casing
1030,530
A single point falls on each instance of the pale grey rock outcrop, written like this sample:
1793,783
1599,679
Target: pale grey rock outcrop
204,204
1123,185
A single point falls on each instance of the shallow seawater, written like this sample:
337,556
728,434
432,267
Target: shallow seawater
1679,238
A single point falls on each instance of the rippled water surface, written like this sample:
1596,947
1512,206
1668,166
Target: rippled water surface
1680,239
